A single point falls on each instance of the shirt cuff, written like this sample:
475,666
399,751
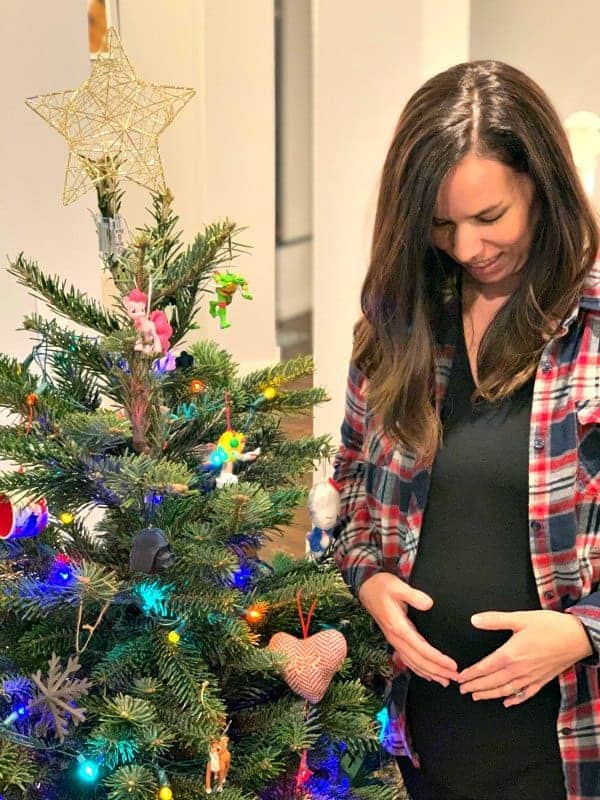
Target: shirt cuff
589,616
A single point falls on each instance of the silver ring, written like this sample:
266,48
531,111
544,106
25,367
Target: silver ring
520,693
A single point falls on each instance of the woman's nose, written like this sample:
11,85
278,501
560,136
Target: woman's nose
466,243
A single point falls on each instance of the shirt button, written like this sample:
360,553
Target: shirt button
567,731
548,595
547,366
539,442
536,526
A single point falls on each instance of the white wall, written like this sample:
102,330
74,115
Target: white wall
43,48
556,43
367,62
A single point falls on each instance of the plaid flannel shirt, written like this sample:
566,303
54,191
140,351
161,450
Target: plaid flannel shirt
383,491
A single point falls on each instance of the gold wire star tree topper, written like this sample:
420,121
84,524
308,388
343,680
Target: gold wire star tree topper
112,123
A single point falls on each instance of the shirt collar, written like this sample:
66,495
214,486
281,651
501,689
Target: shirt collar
590,295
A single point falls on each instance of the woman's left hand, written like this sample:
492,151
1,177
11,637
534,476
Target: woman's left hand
543,644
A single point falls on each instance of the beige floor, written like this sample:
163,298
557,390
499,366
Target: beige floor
294,338
292,541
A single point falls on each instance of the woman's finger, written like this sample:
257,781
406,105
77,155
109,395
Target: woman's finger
419,672
494,680
405,632
423,668
511,688
525,694
429,676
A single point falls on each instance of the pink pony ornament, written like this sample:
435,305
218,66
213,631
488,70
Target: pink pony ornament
154,329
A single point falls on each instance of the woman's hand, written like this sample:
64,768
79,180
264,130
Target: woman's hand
387,598
543,644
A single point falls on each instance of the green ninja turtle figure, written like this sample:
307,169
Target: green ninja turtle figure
227,285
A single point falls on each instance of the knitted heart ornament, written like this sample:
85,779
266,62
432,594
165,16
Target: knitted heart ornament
312,662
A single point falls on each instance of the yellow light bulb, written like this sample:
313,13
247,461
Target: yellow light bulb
165,793
269,393
173,637
66,517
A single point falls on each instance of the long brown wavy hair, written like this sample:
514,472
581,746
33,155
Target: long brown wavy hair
495,111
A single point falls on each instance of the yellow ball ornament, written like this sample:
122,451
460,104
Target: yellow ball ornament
165,793
66,517
270,393
174,637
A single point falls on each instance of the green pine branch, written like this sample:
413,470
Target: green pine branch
16,382
120,663
193,789
237,508
88,352
33,449
208,251
185,673
69,303
98,432
347,713
132,782
74,381
31,649
18,769
376,792
124,708
255,769
212,363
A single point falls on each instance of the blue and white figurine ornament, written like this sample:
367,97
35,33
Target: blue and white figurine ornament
324,509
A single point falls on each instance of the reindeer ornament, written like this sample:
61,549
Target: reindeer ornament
219,760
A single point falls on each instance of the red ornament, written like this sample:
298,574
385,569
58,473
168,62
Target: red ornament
20,523
304,773
7,517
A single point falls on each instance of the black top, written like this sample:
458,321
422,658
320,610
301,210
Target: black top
474,556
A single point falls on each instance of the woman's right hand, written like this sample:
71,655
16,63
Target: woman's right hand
386,598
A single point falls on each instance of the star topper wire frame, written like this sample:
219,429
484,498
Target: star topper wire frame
112,122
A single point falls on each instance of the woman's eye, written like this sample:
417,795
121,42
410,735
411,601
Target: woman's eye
439,224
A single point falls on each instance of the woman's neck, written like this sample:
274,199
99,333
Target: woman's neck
493,294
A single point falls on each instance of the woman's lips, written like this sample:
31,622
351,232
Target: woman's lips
486,264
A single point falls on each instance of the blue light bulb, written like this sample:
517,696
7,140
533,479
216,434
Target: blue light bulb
22,711
87,770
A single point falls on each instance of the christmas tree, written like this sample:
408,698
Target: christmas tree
146,649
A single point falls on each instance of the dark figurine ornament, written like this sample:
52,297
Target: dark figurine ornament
150,552
184,360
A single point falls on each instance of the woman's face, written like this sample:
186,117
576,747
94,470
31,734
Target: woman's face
483,215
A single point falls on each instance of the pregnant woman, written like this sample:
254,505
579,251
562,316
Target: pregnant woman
469,466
